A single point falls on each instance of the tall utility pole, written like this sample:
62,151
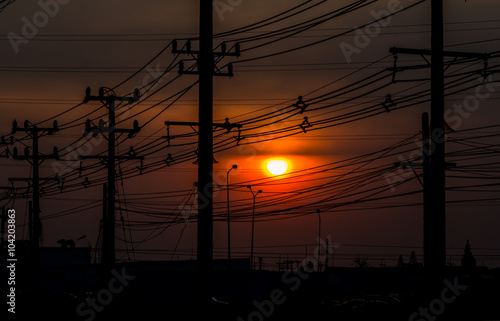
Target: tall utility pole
436,243
435,220
3,219
34,182
104,218
434,169
206,69
428,210
108,98
36,159
205,153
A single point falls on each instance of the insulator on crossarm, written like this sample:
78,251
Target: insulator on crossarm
14,127
137,94
56,153
181,67
87,127
136,126
237,49
87,95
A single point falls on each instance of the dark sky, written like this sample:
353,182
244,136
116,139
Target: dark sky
100,43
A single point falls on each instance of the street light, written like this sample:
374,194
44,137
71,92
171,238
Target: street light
228,221
253,222
319,238
229,236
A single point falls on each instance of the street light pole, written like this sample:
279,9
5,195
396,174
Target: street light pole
253,222
228,221
319,238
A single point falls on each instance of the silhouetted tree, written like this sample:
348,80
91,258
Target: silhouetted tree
413,259
360,262
468,260
401,262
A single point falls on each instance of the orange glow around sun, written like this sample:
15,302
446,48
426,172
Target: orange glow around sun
277,166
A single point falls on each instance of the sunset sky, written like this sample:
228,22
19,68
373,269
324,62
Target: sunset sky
344,157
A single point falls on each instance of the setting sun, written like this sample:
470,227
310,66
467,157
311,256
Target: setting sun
277,166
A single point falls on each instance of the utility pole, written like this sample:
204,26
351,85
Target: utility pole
427,195
30,224
108,98
36,159
206,69
434,171
3,142
437,226
205,150
104,216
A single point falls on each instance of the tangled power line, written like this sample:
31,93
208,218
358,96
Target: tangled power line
355,184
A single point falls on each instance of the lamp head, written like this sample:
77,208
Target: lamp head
260,191
234,166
